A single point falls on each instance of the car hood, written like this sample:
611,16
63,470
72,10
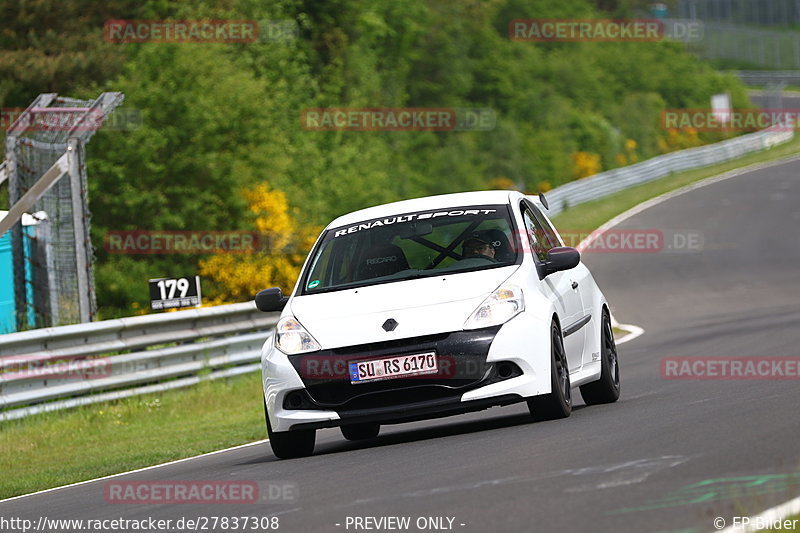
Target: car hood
422,306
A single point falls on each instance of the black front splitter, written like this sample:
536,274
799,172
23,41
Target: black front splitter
412,412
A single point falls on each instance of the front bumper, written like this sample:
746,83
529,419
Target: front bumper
478,369
412,412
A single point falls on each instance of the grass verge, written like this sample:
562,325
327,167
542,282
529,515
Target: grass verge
619,332
63,447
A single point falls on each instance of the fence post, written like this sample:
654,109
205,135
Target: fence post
79,228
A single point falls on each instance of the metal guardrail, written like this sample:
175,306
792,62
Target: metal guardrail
611,181
55,368
69,361
764,78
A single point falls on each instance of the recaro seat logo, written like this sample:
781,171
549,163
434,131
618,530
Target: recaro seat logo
379,260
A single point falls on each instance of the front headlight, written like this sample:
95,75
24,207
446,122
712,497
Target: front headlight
498,308
292,338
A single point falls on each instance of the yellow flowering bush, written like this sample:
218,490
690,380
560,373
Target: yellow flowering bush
502,182
272,214
630,151
238,277
679,139
585,164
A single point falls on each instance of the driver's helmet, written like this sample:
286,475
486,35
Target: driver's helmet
494,238
476,241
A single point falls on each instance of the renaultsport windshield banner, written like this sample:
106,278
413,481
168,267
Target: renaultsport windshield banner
483,211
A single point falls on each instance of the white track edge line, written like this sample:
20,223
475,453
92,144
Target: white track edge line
636,331
768,517
633,331
635,210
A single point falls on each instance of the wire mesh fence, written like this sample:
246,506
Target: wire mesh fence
753,12
751,33
53,264
53,275
764,48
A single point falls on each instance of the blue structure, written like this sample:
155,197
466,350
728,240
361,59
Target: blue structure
8,323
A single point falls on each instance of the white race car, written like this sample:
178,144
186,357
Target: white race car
433,307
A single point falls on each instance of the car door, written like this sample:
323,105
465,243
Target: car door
562,288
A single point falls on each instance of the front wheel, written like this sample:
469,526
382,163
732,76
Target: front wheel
290,444
558,403
605,389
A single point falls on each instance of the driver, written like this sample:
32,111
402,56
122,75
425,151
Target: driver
475,247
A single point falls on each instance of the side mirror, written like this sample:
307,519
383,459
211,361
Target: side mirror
544,201
271,300
558,259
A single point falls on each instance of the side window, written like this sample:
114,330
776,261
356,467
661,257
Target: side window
323,272
550,233
320,270
536,235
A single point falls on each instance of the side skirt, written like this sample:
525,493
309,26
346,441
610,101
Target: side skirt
589,372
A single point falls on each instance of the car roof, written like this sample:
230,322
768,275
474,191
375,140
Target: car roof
442,201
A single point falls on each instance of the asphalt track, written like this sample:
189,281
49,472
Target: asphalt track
671,455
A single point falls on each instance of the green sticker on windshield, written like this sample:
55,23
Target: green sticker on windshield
313,284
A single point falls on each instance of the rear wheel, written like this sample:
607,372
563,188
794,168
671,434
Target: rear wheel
290,444
360,431
558,403
605,389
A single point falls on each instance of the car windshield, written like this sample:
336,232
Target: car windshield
412,245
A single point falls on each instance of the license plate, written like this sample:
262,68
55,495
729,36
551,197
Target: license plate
398,366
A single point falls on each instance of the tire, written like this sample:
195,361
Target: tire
290,444
558,403
360,431
606,389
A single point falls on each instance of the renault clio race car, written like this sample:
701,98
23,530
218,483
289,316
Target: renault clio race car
433,307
